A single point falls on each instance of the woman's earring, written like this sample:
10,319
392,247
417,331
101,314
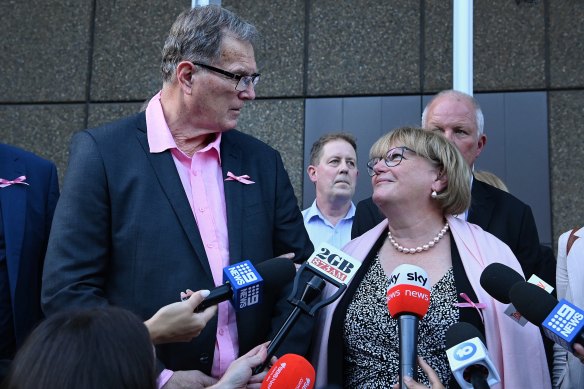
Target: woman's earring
434,194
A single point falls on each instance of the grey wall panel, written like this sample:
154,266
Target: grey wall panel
566,49
493,158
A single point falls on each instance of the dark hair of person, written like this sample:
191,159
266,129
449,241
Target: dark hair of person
105,347
318,145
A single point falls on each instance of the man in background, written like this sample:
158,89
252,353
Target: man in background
333,169
29,190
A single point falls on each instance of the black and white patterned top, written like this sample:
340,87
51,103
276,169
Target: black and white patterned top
371,349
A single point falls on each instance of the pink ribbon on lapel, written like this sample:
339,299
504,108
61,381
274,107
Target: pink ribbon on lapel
20,180
470,304
243,179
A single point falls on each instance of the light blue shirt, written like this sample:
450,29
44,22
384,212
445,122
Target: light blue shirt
321,230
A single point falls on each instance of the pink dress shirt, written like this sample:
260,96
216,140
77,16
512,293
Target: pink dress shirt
202,180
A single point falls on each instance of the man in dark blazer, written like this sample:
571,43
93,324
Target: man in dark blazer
161,201
459,117
29,190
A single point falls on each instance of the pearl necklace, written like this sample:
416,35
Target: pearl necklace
418,249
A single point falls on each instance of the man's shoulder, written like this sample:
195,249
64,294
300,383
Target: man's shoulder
120,126
497,196
28,156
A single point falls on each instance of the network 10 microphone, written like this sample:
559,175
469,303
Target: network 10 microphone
562,321
408,300
290,371
468,357
244,285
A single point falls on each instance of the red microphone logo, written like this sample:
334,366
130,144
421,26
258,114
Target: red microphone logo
290,371
409,291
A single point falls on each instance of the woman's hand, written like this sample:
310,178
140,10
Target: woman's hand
432,376
177,322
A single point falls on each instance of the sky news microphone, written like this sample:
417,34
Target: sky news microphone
245,284
469,358
562,321
408,300
290,371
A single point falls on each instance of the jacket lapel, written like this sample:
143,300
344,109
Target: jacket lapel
165,170
13,200
231,156
481,209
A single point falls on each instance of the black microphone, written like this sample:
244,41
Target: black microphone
244,285
312,290
497,280
562,321
326,265
468,357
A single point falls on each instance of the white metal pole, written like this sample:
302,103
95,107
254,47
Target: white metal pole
462,42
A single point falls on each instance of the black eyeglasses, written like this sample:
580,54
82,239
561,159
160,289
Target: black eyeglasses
243,82
393,158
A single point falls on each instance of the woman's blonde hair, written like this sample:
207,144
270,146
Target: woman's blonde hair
439,151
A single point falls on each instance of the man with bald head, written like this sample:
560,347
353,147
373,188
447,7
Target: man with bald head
459,118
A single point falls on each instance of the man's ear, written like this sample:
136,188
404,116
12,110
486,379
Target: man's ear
311,170
481,144
185,72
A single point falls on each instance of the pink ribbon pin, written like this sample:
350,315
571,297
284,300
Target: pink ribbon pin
243,179
470,304
20,180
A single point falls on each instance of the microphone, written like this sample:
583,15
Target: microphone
290,371
326,263
497,280
408,300
244,285
562,321
468,357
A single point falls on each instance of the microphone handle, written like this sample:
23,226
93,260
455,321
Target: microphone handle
275,343
217,295
408,347
478,381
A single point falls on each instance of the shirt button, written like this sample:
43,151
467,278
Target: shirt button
202,209
221,332
210,245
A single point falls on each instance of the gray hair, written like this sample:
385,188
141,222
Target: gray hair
197,34
480,119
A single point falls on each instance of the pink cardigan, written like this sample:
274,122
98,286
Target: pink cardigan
517,351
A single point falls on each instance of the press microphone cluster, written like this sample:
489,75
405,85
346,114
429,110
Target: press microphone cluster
290,371
408,300
561,321
326,265
244,285
468,357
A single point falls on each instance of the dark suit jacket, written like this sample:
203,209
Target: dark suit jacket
495,211
124,233
27,213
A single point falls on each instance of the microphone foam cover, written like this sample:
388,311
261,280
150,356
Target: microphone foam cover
408,299
290,371
461,332
533,302
497,280
276,272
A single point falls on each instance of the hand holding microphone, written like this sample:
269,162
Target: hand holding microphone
176,322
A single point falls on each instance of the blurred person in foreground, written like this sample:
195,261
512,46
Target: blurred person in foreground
420,180
106,347
161,201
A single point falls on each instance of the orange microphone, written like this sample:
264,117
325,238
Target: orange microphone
290,371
